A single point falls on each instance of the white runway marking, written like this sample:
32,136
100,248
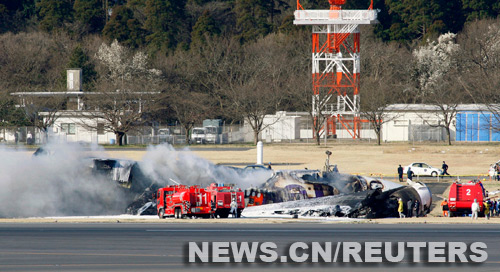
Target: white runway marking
323,231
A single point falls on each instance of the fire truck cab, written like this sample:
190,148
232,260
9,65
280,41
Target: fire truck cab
223,195
462,195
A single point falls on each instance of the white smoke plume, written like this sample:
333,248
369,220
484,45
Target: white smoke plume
162,163
62,183
58,184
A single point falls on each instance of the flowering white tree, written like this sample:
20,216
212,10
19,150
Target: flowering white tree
122,64
434,60
436,72
126,90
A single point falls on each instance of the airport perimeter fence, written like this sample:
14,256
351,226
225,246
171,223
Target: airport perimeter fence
176,135
143,135
230,134
425,133
22,135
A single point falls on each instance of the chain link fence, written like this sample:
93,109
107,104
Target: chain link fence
176,135
22,135
426,133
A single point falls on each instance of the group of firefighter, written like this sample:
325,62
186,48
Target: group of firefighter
491,207
233,210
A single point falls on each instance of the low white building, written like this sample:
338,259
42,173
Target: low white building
77,126
413,122
419,122
282,126
73,122
289,126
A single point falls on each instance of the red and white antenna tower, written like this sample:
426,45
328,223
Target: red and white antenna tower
336,63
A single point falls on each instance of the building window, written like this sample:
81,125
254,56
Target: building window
100,128
68,128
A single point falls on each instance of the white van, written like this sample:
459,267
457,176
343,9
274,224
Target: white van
198,135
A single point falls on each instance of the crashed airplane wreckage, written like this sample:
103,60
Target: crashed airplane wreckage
293,193
312,193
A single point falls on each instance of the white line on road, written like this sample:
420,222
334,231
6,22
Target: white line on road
323,231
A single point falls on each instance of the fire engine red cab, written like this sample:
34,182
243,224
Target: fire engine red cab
180,201
222,195
462,195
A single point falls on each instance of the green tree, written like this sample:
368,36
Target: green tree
165,19
90,13
3,18
258,18
53,14
480,9
206,25
418,19
252,19
124,27
14,15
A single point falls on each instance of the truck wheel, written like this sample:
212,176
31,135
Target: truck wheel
450,214
434,174
161,214
177,213
223,214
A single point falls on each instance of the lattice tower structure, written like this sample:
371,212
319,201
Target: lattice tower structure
336,63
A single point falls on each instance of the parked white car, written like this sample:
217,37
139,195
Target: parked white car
422,169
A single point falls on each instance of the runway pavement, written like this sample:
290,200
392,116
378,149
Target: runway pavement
164,246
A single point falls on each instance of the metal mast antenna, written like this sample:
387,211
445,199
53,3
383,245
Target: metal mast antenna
336,63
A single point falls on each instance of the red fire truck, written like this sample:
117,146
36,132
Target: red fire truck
180,201
223,195
462,196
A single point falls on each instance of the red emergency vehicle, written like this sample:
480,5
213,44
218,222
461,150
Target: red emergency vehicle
181,200
462,196
222,195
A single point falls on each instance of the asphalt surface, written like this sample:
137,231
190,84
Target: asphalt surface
164,246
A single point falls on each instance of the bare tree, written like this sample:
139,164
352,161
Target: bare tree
42,111
298,89
32,61
446,105
256,84
480,65
188,89
212,67
189,108
126,91
246,83
34,67
385,82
